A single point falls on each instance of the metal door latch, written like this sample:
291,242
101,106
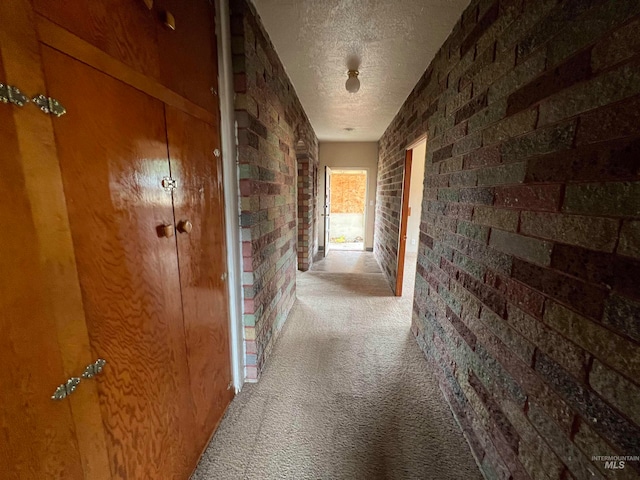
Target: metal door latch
49,105
10,94
169,184
66,389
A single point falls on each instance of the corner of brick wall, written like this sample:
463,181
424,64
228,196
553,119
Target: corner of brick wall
273,130
527,300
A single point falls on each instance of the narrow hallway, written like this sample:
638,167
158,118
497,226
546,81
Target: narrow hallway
347,393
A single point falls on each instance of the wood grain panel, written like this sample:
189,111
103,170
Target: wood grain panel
38,437
43,336
202,258
64,41
124,29
188,58
113,156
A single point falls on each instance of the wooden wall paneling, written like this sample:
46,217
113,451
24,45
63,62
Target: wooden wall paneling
64,41
124,29
43,335
188,55
202,257
113,156
38,437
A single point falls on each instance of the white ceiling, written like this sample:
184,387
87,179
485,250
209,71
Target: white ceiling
395,39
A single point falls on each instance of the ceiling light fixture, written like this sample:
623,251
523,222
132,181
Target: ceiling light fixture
353,84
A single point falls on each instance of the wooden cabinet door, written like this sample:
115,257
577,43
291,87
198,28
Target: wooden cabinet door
43,334
198,199
112,149
125,29
188,55
37,435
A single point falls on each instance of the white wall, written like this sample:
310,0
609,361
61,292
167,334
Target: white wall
415,196
364,156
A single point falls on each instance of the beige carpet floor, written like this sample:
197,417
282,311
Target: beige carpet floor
346,394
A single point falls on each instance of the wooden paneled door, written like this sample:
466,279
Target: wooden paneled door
113,156
199,211
29,350
404,222
117,246
43,334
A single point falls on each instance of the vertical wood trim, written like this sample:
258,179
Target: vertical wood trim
404,221
43,181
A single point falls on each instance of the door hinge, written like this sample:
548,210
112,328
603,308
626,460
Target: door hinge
49,105
66,389
230,386
70,386
11,94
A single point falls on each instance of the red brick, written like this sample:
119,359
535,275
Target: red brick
519,371
607,161
466,334
605,269
471,108
536,197
487,295
483,157
602,417
505,428
517,293
573,70
240,82
443,153
490,16
582,297
459,210
620,45
588,265
616,121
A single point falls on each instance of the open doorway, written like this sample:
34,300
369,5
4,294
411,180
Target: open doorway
346,204
412,193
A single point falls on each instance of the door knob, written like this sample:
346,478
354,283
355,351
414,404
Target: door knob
169,20
185,226
165,231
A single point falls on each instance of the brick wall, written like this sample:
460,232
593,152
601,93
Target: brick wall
276,143
348,192
527,298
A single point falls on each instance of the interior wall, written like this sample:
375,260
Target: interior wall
270,122
350,154
415,196
526,296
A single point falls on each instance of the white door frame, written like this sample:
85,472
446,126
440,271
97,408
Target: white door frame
228,135
367,171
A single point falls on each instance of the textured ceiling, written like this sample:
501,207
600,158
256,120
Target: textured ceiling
394,39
